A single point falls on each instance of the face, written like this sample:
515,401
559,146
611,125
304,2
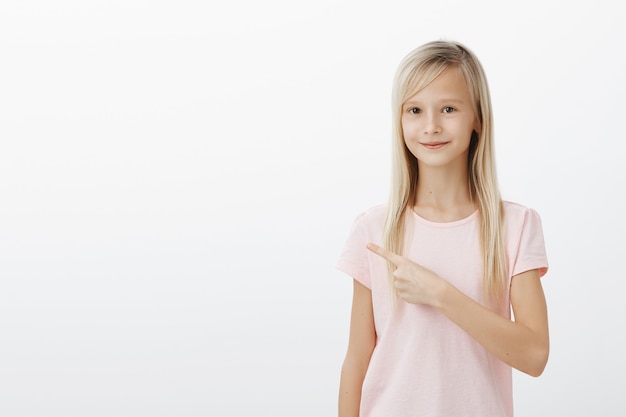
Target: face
438,121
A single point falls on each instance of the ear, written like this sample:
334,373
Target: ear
476,127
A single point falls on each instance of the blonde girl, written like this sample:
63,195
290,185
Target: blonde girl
447,293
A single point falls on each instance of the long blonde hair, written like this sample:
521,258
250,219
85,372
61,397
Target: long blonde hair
419,68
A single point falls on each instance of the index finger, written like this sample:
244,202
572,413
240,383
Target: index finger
384,253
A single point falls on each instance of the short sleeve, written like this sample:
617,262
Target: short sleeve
531,251
353,259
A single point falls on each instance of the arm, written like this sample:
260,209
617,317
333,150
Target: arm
522,344
360,346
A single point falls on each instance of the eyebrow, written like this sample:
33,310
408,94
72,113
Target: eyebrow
441,101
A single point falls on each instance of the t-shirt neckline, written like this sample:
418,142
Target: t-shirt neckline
454,223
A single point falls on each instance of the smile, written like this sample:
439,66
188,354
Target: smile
433,145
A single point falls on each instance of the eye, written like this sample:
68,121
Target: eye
414,110
448,109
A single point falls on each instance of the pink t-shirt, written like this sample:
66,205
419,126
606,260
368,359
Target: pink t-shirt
424,365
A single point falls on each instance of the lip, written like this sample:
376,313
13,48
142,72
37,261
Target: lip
433,145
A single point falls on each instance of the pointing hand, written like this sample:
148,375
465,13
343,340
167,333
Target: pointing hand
413,283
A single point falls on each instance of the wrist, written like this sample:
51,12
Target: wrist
442,294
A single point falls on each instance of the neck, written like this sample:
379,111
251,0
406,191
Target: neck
443,194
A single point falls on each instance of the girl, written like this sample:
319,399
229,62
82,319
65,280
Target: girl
439,268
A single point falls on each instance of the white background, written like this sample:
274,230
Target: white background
177,179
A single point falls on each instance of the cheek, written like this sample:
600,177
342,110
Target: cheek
408,129
405,133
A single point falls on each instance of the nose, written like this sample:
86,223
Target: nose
431,124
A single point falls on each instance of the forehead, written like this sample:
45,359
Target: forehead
450,84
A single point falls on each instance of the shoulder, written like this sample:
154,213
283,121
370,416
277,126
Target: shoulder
516,212
524,239
371,218
522,223
375,213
